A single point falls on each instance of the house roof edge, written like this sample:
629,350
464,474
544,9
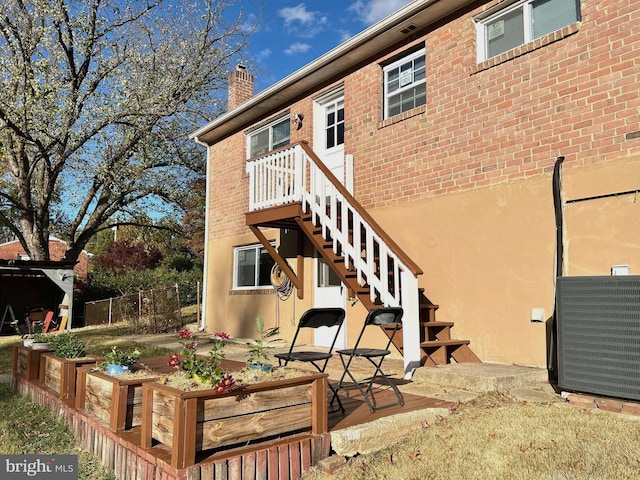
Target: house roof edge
387,31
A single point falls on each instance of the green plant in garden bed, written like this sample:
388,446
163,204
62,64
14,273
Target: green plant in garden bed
258,348
67,345
116,356
203,370
43,337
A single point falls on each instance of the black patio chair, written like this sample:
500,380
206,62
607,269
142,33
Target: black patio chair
312,319
375,356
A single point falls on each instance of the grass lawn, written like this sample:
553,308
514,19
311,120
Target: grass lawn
27,428
495,437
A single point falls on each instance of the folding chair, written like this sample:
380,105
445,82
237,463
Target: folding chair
375,356
315,318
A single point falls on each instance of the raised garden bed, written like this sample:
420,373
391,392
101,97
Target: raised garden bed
26,362
59,374
188,423
115,401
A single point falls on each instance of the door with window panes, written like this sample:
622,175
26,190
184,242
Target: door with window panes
329,132
329,146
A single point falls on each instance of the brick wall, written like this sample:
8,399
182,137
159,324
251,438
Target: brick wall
573,93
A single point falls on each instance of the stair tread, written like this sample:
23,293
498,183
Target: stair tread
426,324
437,324
429,326
439,343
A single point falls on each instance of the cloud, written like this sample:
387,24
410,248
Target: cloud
370,11
303,22
297,47
250,24
263,54
344,35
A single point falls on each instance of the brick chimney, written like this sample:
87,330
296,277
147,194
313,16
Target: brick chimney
240,87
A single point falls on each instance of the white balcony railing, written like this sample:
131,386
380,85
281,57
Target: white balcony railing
296,174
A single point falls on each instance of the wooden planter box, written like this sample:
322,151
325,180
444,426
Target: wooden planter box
59,374
193,422
116,402
26,362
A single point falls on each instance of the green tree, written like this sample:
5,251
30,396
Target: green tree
96,100
193,221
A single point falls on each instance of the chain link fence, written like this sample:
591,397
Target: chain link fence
149,311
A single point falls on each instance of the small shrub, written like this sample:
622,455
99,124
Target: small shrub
258,348
43,337
119,357
67,345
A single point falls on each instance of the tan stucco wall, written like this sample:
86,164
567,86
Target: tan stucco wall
234,311
488,259
605,231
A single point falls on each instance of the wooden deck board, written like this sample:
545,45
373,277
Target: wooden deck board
357,411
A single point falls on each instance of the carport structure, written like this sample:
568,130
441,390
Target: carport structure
27,284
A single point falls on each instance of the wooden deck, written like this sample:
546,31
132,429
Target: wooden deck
357,411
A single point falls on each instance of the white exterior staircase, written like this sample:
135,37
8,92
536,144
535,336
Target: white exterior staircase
291,186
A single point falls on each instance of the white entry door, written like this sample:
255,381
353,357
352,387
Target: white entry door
328,132
329,292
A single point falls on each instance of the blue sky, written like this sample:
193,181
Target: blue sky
293,33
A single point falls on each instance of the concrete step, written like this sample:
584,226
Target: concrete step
480,377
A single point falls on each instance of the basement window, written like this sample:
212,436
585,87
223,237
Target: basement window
252,266
516,23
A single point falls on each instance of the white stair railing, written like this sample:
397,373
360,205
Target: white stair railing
295,174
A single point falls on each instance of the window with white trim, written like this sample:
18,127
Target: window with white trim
405,84
268,137
252,266
521,22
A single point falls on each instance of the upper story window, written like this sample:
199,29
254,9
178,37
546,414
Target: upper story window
252,266
521,22
268,137
405,85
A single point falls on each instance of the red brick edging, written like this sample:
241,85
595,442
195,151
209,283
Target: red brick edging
606,404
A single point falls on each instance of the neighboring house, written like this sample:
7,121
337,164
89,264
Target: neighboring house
444,121
57,249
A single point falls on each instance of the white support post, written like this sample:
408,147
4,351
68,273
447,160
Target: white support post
410,323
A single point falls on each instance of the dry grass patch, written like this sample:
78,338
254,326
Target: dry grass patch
498,438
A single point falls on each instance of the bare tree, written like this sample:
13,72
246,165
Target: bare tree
96,100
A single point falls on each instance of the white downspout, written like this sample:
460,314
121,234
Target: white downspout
205,274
